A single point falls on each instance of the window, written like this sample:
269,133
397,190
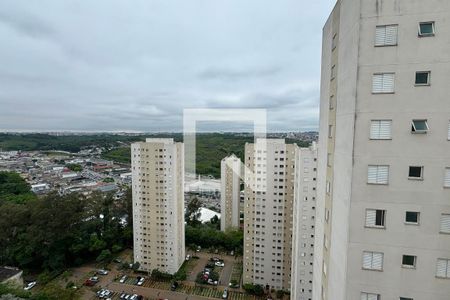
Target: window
378,174
415,172
375,218
445,223
409,261
412,217
419,126
405,298
386,35
380,129
448,132
369,296
334,41
423,78
383,83
331,104
447,178
333,72
443,268
330,131
372,261
426,29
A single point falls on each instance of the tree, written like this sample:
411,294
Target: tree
193,211
75,167
14,188
104,256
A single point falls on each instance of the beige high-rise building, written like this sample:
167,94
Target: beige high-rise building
230,168
304,222
383,202
268,212
158,204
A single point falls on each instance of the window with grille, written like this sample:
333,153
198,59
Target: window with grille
445,223
447,178
378,174
386,35
380,129
443,268
370,296
375,218
373,261
383,83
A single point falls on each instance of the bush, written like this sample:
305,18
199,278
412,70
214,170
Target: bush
254,289
160,276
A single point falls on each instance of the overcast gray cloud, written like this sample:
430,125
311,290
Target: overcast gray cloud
135,65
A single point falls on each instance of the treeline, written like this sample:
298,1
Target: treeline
13,188
209,237
54,232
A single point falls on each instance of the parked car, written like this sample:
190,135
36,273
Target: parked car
141,281
134,297
214,259
220,264
225,294
212,282
174,286
199,248
188,257
232,253
102,272
123,278
210,265
93,278
89,282
122,295
30,285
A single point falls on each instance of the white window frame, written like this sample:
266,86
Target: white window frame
368,216
427,34
448,131
428,83
421,173
413,126
376,132
444,226
369,296
384,87
447,177
409,266
372,254
443,268
412,223
378,180
386,35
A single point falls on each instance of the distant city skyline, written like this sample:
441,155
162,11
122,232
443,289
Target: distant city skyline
112,66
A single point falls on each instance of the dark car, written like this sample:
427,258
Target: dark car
174,286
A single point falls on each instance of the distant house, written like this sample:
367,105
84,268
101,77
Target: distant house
11,275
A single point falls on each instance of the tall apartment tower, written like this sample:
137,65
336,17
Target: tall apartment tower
383,203
268,212
305,185
230,168
158,204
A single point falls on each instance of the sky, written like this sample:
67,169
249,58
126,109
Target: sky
136,65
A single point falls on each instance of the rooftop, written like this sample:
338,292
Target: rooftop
8,272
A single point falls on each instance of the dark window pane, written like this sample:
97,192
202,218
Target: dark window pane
379,220
412,217
422,77
408,260
415,172
426,28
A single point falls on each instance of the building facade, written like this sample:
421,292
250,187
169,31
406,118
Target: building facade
230,168
305,184
268,212
383,205
158,204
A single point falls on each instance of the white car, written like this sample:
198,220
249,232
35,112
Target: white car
102,272
141,281
122,280
225,294
188,257
220,264
30,285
